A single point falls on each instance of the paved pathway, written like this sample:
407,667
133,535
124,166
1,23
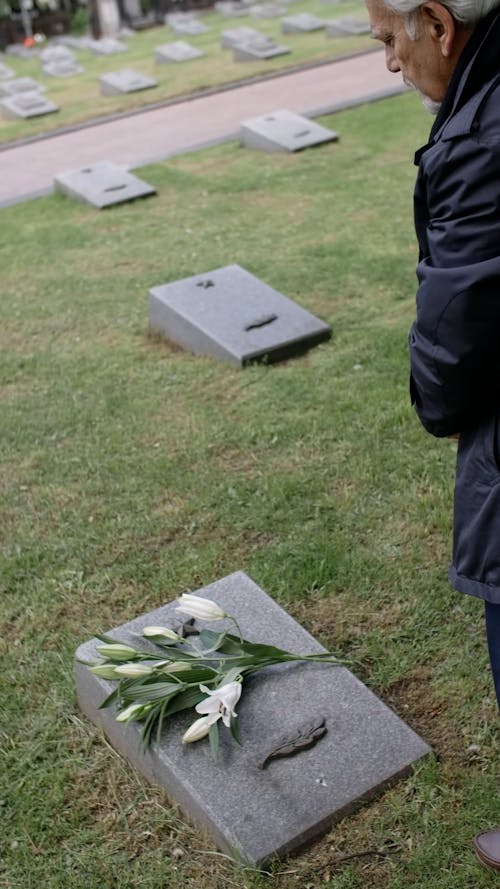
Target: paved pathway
28,170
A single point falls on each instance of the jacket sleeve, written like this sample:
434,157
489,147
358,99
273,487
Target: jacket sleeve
455,340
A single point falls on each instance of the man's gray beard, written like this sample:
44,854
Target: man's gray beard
429,104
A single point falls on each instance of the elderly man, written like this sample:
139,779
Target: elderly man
451,54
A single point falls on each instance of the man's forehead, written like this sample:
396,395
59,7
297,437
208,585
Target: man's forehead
382,19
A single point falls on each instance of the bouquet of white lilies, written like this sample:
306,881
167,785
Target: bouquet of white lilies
182,674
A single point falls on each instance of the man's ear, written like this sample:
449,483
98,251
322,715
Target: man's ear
440,25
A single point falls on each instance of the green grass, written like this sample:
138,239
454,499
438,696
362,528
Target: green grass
79,97
133,471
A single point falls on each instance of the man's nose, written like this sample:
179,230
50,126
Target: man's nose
391,61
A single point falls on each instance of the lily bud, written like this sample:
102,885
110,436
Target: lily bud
116,651
163,632
199,729
132,671
105,671
133,711
199,608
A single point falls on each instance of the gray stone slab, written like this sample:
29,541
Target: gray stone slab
126,80
62,69
21,51
253,813
176,18
178,51
102,184
107,46
56,53
20,85
230,314
259,48
302,23
26,105
190,28
347,27
231,37
265,10
230,9
74,42
5,71
283,131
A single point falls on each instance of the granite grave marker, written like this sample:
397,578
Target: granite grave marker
126,80
256,807
178,51
20,85
231,37
283,131
302,23
261,47
107,46
347,27
25,105
231,315
102,184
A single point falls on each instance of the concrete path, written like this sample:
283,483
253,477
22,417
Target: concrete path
28,170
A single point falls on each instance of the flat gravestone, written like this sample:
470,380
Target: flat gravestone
301,24
107,46
62,69
255,813
26,105
102,184
174,18
56,53
283,131
5,71
20,85
230,9
190,28
265,10
74,42
233,36
261,47
179,51
347,27
231,315
21,51
126,80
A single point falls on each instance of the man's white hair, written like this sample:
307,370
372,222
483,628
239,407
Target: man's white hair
467,12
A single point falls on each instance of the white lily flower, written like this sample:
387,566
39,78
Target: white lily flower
176,666
116,651
199,608
221,701
165,632
133,671
199,729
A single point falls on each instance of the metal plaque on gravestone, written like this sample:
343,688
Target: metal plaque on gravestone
107,46
21,85
258,48
189,29
233,36
265,10
283,131
126,80
347,27
26,105
179,51
230,9
5,71
102,184
302,23
62,69
260,800
230,314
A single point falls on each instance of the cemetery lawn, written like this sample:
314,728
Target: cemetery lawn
133,471
79,97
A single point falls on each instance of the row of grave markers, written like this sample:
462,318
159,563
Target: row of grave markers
22,97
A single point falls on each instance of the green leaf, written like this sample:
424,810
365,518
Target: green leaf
109,700
213,737
148,691
211,641
235,729
185,700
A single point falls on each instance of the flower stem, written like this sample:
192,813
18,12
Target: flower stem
235,622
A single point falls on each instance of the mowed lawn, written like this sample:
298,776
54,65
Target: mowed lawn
133,471
79,97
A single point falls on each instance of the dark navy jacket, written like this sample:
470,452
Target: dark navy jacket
455,340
